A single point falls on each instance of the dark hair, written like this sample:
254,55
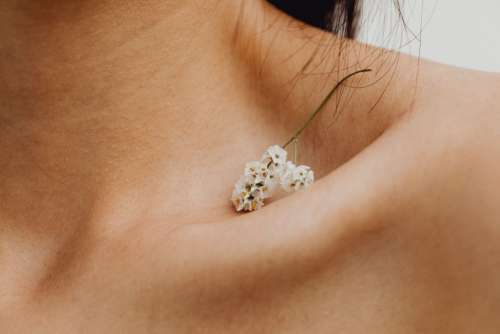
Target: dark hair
338,16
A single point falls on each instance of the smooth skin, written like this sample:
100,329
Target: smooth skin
124,125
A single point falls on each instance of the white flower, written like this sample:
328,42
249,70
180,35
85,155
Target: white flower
287,177
261,177
256,170
248,194
296,177
276,154
275,159
260,173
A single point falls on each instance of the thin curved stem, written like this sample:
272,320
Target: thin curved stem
322,105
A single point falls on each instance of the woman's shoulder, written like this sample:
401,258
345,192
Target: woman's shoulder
462,115
459,93
408,224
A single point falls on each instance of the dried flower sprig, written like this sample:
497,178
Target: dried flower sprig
261,178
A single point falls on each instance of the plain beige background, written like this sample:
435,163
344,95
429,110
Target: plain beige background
456,32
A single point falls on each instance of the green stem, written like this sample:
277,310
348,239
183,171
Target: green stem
322,105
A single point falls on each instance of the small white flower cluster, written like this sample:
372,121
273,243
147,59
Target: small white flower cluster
261,179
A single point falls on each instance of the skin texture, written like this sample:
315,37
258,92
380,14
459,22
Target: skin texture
124,126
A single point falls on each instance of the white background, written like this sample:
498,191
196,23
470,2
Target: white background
464,33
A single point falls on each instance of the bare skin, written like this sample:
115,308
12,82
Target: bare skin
124,127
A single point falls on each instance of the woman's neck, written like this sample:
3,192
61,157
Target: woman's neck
114,112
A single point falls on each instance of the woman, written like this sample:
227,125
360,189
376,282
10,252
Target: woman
124,126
